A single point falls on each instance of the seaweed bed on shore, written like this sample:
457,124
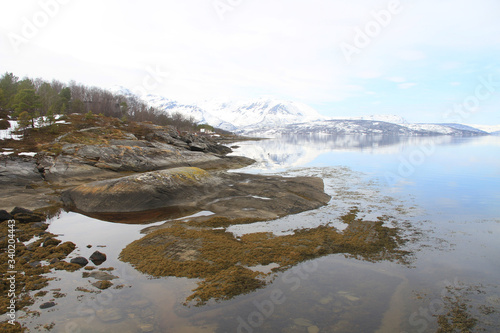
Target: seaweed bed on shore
226,263
226,266
37,252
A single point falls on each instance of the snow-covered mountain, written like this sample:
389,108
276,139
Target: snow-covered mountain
360,127
234,116
273,117
464,127
446,129
200,114
487,128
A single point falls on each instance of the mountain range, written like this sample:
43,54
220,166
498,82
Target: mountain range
273,117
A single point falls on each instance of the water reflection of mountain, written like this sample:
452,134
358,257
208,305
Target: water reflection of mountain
298,150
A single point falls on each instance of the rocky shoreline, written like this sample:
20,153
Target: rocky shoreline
133,175
104,166
151,173
36,181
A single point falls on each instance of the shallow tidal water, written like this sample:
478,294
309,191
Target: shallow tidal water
443,193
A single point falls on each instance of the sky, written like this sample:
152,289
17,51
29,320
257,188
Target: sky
426,60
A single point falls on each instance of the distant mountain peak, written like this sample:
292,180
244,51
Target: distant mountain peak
271,116
232,115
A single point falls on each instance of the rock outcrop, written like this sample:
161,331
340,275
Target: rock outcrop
79,162
35,181
229,195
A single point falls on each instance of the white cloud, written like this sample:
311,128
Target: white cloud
406,85
369,74
397,79
411,55
286,48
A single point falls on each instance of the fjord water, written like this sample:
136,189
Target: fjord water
443,192
452,187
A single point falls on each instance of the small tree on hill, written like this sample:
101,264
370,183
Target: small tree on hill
24,121
8,83
89,115
27,100
2,98
50,116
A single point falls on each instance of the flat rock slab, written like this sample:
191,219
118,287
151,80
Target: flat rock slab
233,195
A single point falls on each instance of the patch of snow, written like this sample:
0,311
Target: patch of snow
262,198
27,154
7,133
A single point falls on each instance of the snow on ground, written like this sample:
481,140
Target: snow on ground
7,133
39,122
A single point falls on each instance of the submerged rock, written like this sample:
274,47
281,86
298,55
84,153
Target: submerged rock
47,305
97,258
102,284
110,315
80,261
99,275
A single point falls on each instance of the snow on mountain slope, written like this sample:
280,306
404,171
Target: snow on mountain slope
388,118
188,110
336,127
463,127
268,112
232,115
273,117
444,129
487,128
236,115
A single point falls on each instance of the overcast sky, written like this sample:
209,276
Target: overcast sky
426,60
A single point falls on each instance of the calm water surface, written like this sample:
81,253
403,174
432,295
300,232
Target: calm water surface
445,192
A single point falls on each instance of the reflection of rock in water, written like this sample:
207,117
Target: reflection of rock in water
224,262
291,150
